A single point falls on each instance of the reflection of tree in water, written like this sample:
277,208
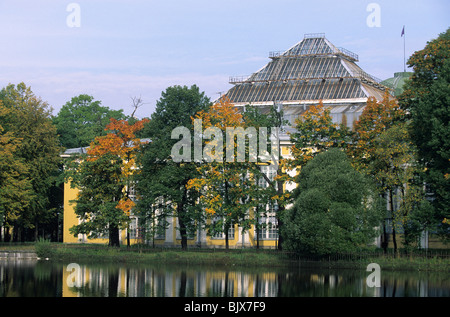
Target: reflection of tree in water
322,283
30,279
46,279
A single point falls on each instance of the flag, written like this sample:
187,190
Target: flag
403,31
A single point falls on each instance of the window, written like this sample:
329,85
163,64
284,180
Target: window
270,172
268,224
268,228
132,228
221,235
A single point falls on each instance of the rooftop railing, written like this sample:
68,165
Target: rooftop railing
338,51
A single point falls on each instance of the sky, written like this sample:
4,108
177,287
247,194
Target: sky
115,50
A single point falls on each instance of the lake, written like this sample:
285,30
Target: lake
40,278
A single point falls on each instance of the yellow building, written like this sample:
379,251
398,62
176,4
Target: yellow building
268,238
310,72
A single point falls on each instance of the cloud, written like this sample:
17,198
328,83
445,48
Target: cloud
113,89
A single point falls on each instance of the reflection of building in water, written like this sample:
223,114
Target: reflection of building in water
127,282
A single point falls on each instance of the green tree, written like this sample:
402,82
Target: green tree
334,208
15,187
161,184
82,119
394,167
427,98
29,120
101,189
269,194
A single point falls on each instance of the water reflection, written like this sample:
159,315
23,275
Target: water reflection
166,282
44,278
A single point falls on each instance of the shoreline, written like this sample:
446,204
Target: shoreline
261,258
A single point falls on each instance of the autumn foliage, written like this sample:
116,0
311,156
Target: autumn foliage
376,118
221,115
316,132
122,142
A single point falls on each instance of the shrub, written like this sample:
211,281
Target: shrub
44,248
334,208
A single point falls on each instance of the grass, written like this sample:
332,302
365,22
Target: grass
221,257
171,256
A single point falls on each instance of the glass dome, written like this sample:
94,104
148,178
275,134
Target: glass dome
397,82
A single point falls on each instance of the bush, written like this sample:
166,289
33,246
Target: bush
334,208
44,248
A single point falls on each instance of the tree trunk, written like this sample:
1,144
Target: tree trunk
279,214
227,245
394,240
181,213
113,284
36,231
183,280
114,236
183,233
128,237
391,201
7,236
257,225
384,238
226,229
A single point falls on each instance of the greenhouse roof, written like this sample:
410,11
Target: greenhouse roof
313,69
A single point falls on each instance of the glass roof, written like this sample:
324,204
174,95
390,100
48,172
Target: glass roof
313,69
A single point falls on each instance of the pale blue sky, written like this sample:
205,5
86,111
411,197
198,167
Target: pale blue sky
139,48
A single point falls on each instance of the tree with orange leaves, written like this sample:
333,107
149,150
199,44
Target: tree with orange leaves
368,152
230,176
104,177
376,118
316,132
223,183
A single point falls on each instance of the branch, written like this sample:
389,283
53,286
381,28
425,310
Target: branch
137,102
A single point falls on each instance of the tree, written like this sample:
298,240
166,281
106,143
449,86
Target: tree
15,187
161,184
334,209
223,181
376,118
104,176
426,99
29,119
394,166
82,119
269,193
316,132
